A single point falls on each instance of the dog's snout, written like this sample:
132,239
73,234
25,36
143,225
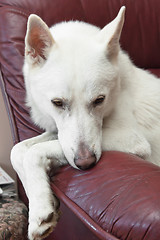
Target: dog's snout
84,159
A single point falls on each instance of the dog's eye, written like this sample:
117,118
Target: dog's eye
58,102
99,100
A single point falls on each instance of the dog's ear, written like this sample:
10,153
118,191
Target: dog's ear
111,34
38,40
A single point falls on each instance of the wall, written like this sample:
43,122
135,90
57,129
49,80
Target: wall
5,140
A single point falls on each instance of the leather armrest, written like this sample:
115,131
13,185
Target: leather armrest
119,196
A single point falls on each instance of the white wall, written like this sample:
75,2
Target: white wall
6,142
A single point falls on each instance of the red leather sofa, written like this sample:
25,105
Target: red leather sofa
120,197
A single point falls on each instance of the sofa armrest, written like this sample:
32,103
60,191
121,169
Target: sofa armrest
119,197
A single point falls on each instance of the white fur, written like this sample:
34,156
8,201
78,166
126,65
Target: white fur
82,63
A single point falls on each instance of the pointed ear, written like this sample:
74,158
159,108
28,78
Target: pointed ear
111,34
38,40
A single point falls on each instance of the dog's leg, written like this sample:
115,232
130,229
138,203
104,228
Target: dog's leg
19,150
35,162
43,214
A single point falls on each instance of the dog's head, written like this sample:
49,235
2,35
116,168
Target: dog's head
72,80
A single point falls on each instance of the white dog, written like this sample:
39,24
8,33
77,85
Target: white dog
87,95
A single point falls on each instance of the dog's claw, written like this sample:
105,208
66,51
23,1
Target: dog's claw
46,232
43,234
48,219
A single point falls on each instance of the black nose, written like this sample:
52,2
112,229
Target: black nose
85,163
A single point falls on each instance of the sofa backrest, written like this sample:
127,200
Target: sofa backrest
140,38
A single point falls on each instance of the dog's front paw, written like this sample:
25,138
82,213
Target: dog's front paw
42,222
39,228
141,147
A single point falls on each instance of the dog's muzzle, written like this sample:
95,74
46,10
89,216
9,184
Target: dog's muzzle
84,158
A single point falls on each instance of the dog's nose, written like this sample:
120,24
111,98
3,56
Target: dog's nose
85,163
84,158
